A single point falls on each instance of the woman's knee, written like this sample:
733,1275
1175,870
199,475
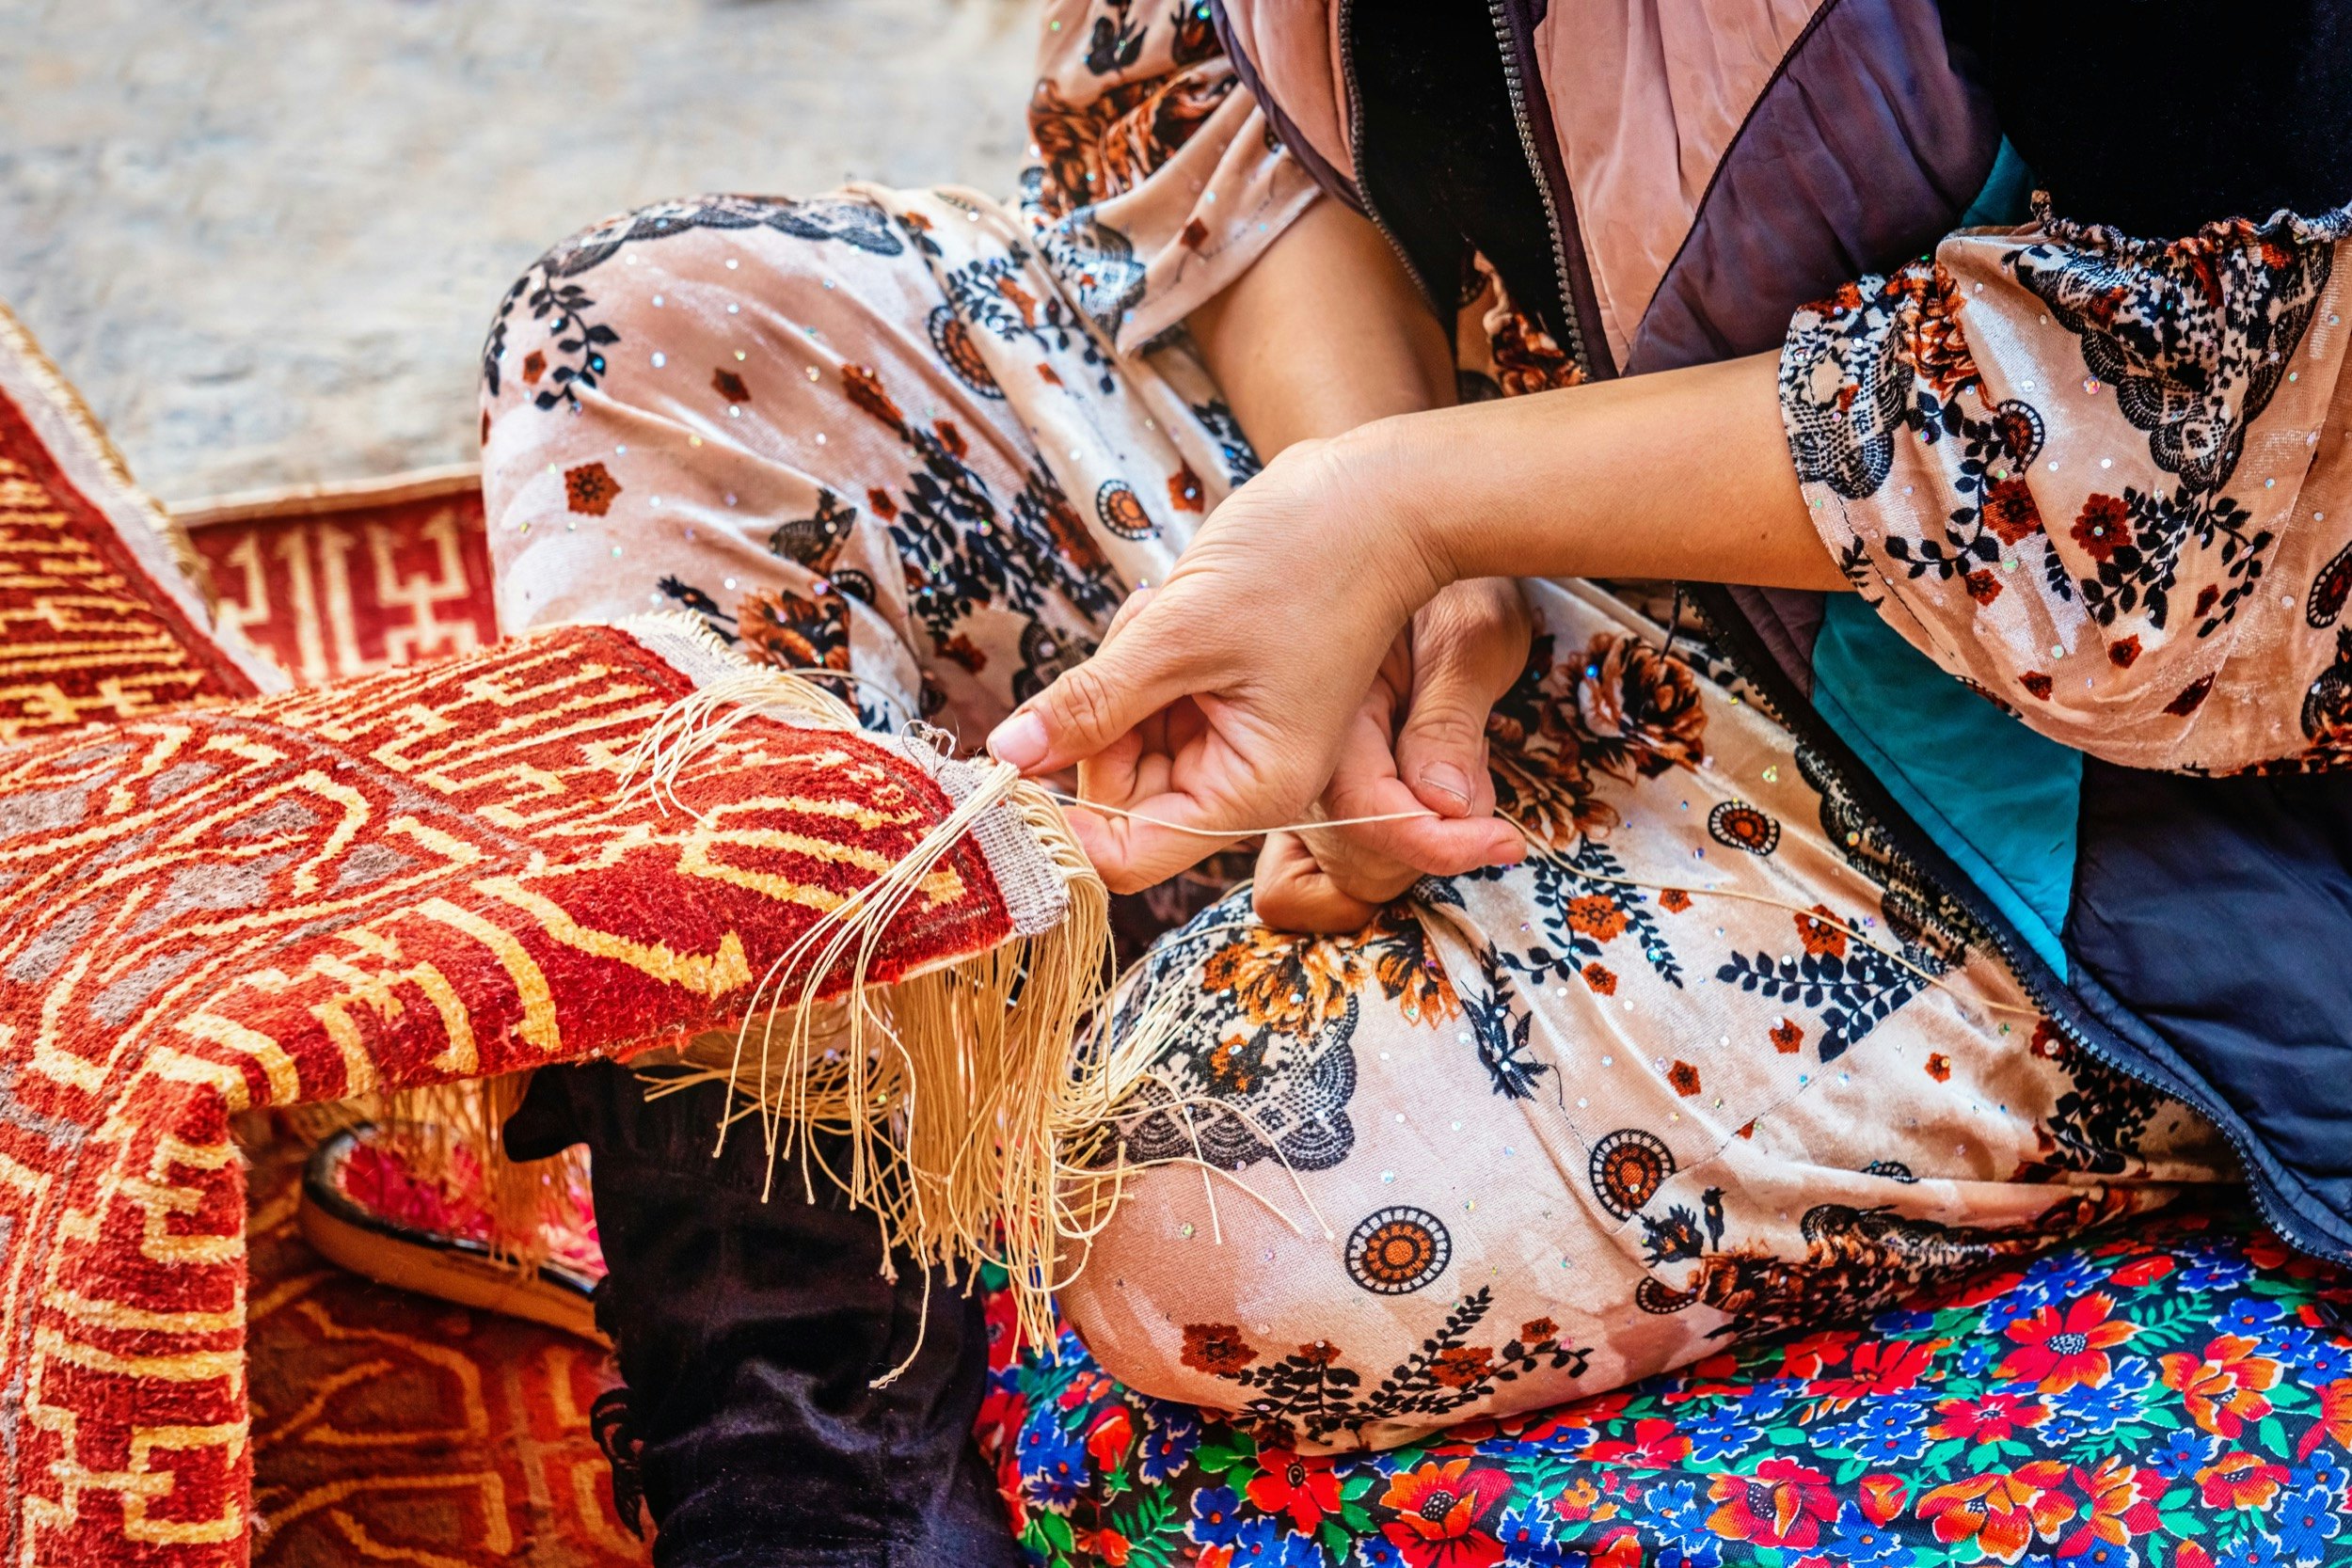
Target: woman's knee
736,268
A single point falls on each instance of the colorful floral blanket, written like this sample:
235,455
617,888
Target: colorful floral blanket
2179,1399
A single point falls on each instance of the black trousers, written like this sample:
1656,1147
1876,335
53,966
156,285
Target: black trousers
747,1334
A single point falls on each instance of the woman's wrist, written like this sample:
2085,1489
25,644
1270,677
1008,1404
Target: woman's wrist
1678,474
1389,495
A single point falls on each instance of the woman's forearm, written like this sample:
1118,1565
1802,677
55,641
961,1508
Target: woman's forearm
1681,474
1324,333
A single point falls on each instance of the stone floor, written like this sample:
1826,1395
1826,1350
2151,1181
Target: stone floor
264,236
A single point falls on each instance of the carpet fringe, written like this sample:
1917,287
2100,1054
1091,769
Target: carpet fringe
969,1108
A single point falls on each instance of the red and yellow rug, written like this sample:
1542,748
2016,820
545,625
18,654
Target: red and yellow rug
224,893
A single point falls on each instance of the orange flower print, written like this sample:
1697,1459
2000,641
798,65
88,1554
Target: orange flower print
1295,984
1931,338
730,386
1685,1079
1596,916
590,488
1217,1349
1620,1548
1112,1434
2240,1481
1806,1357
2060,1350
1654,1445
2037,683
2122,1504
2103,527
1993,1419
1300,1486
1787,1037
1577,1501
1640,707
1602,980
1184,491
1881,1498
1821,933
2222,1390
1782,1504
2335,1419
1407,965
782,629
1673,900
1438,1509
2001,1513
1462,1365
1020,299
1939,1067
535,366
1887,1367
2125,652
1984,587
2010,510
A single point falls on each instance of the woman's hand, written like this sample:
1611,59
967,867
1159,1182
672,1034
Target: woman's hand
1419,742
1224,701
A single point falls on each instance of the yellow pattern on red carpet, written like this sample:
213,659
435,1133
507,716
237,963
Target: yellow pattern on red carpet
387,1427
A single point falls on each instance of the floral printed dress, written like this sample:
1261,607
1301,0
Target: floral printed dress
1713,1063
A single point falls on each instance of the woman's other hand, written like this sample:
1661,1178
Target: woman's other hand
1462,652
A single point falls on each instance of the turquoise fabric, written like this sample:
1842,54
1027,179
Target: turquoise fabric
1998,799
2007,192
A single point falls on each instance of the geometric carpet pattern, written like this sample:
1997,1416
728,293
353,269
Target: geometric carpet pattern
391,1427
333,583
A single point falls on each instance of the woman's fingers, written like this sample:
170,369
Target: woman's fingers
1431,845
1084,711
1293,891
1469,644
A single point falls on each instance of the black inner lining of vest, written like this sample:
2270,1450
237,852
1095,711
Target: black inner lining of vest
1438,152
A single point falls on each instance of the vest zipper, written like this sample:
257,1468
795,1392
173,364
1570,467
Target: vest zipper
1564,269
1729,631
1363,191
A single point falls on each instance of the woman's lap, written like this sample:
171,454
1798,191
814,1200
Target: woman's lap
872,431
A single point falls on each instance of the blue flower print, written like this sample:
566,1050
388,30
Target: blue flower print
2251,1316
1526,1531
2085,1411
1053,1463
2212,1270
2255,1551
2307,1520
2327,1362
1175,1433
1215,1517
2182,1453
1258,1542
1681,1508
1883,1433
1863,1545
1729,1430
